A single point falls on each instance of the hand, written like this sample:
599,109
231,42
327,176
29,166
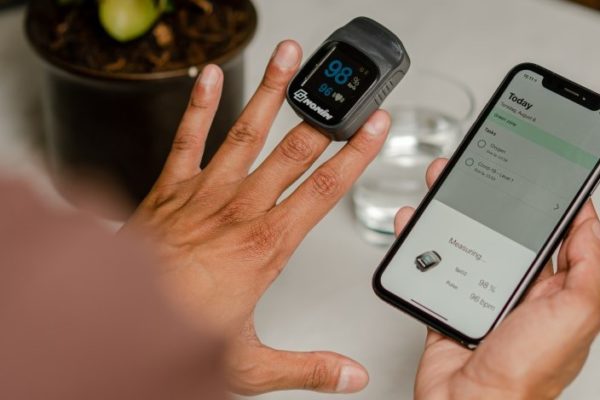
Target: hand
541,346
225,236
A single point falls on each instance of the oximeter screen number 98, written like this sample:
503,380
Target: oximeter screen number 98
341,76
339,72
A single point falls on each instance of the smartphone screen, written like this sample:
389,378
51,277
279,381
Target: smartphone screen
486,221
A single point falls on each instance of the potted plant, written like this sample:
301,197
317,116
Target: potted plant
117,75
6,3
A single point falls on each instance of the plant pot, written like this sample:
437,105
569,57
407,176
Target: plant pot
119,126
8,3
589,3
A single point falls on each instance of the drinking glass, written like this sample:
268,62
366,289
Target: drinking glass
429,111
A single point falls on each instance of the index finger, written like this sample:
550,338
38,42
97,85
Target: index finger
587,213
583,257
187,149
435,170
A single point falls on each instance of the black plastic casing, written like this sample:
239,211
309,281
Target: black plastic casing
385,50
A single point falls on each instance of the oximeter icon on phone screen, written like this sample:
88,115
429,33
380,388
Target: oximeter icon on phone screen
427,260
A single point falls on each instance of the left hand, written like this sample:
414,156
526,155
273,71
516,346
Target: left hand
225,236
541,346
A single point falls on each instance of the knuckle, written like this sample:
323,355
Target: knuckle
234,212
244,134
325,182
163,198
248,377
317,375
264,238
296,148
272,84
185,140
275,80
200,103
361,144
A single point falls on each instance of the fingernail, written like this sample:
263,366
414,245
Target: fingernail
377,124
210,76
352,379
596,228
286,55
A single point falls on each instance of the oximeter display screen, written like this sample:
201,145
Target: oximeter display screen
332,81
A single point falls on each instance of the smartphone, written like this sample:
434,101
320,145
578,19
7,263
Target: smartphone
501,206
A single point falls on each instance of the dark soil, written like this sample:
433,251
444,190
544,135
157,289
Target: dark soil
6,3
590,3
197,31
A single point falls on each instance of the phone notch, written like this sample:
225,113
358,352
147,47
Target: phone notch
572,91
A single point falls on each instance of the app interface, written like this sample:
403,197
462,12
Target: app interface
478,236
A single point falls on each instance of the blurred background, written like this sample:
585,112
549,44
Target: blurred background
84,98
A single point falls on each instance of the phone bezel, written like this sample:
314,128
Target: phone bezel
553,82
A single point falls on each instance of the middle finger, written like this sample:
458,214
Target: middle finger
247,137
301,147
325,187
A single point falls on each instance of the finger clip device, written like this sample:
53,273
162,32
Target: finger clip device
348,78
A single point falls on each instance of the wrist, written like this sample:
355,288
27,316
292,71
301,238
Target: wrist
469,388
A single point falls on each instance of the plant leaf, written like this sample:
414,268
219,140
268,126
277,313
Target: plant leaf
167,5
126,20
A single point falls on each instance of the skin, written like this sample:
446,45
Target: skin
225,233
541,346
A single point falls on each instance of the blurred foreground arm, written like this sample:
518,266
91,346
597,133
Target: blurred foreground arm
83,318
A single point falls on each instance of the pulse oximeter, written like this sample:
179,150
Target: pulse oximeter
348,78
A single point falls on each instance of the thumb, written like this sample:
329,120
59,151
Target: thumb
321,371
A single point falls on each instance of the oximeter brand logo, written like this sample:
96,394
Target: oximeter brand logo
301,96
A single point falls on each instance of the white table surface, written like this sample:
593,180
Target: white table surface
323,300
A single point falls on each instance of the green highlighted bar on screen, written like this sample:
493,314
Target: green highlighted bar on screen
544,139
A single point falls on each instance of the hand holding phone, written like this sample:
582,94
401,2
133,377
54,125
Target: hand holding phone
493,219
542,345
